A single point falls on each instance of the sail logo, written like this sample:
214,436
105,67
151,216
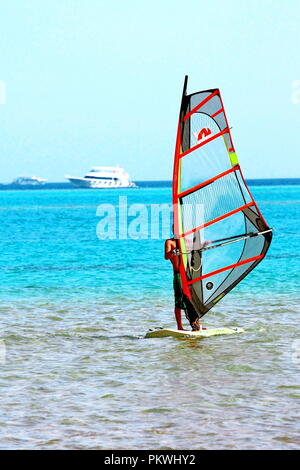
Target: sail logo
203,134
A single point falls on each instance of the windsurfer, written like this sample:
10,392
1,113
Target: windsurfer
181,301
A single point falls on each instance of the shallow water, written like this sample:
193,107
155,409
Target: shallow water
75,369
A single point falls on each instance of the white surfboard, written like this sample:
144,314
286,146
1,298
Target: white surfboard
204,333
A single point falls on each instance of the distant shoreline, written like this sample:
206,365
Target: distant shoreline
152,184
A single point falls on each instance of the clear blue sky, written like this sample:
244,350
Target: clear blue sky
95,82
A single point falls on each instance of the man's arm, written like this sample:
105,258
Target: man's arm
169,247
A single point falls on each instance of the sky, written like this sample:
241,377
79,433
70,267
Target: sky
91,82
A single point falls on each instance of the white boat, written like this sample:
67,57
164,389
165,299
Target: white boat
28,181
107,177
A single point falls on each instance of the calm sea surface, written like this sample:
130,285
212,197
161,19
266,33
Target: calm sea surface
75,369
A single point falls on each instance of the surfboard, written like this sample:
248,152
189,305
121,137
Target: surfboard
205,333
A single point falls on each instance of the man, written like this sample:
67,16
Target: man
181,301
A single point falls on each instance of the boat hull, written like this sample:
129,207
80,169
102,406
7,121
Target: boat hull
98,184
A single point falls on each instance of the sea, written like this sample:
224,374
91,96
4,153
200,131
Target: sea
79,292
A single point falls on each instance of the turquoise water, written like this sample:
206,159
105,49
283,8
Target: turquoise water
75,370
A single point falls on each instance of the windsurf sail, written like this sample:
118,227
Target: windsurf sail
212,204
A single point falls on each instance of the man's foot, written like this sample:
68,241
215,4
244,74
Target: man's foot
196,325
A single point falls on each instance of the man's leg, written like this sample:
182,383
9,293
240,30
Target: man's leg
179,305
192,315
178,318
196,324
